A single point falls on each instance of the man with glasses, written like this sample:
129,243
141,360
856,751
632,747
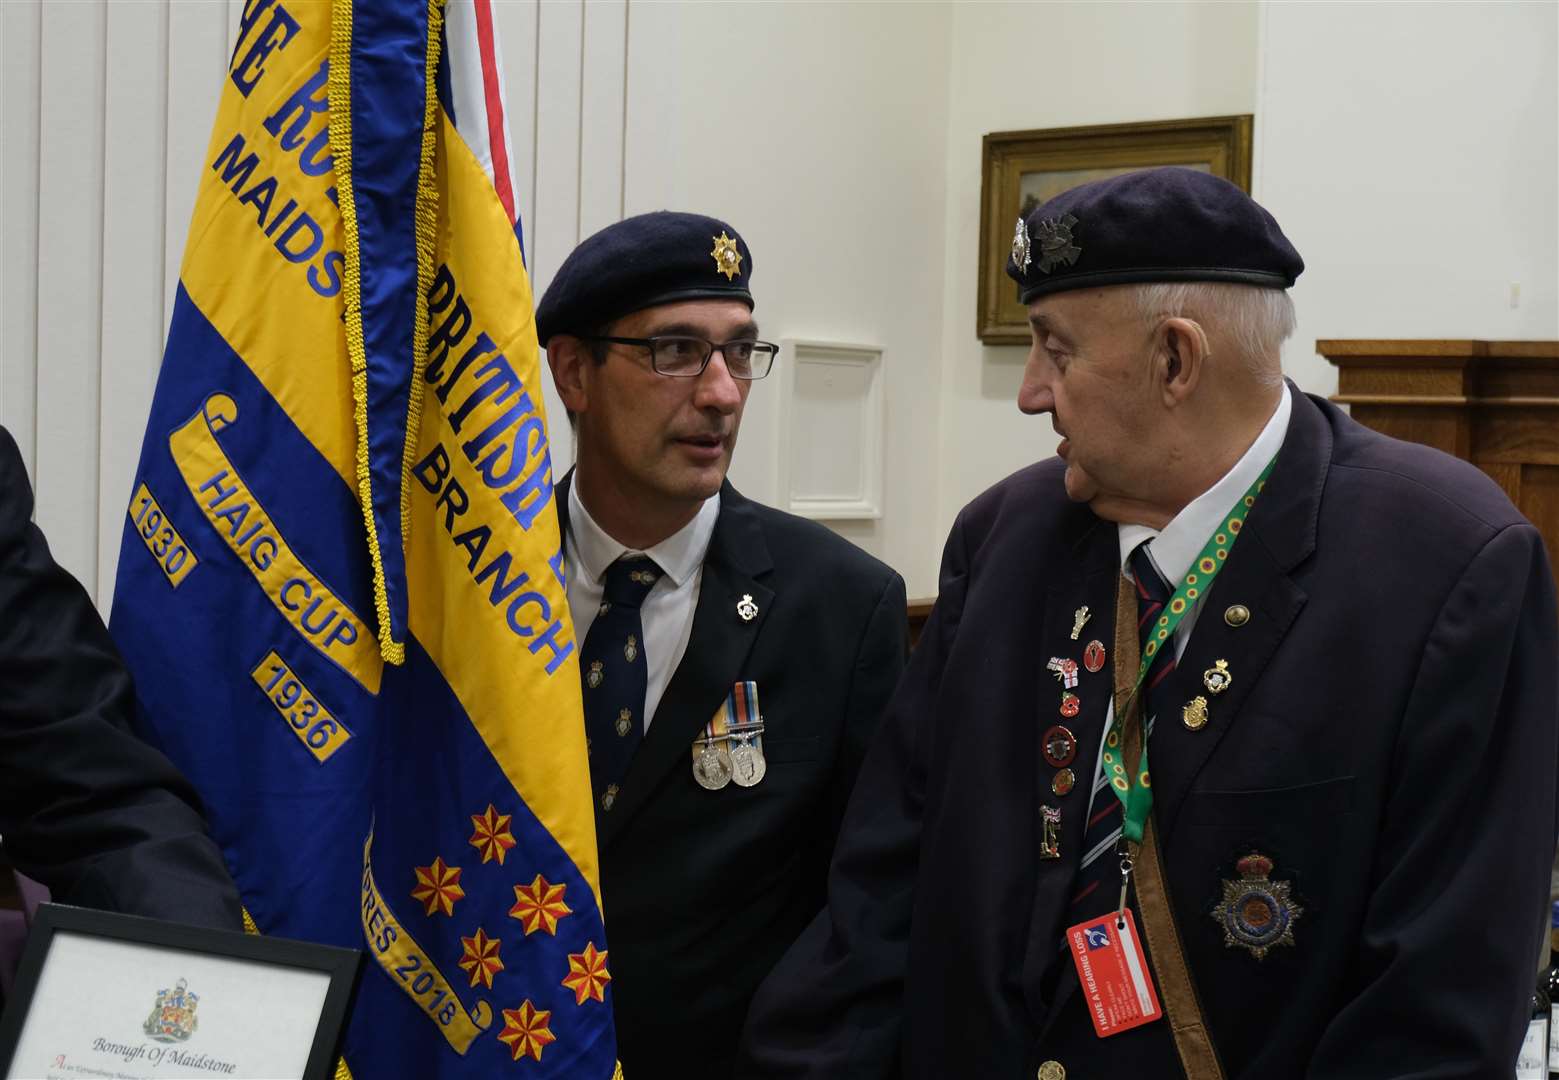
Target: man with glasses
734,658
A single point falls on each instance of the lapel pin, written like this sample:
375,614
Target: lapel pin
1079,620
1059,746
1093,655
1236,614
746,608
1217,678
1063,782
1050,840
1194,715
1064,670
1071,704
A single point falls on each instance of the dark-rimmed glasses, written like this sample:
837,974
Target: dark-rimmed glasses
681,356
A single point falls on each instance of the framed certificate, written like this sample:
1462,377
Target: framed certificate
100,994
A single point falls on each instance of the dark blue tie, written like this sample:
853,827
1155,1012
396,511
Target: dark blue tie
615,675
1098,877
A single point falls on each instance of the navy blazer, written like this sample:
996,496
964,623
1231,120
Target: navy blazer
1390,741
704,890
97,815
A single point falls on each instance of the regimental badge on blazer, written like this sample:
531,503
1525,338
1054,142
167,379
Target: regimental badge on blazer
1257,913
731,745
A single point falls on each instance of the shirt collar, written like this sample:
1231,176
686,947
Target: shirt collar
678,556
1181,541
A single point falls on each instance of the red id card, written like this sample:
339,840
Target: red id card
1113,973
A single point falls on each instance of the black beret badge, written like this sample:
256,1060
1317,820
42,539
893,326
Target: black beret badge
728,260
1055,242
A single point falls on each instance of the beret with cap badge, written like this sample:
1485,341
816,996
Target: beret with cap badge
1167,224
657,258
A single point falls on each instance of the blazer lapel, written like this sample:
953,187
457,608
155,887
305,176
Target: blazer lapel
720,643
1098,556
1279,534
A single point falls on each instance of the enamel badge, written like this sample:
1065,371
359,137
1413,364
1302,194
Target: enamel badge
1256,913
1050,834
1093,655
1071,704
1194,715
728,260
1079,620
1064,670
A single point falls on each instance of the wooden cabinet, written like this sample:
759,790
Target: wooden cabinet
1493,403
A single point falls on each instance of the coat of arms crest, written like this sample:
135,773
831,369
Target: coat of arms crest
172,1019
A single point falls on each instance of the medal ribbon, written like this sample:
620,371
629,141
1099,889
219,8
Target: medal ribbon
1135,791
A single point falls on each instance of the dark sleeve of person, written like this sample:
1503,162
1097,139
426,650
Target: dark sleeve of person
1445,967
101,818
879,662
832,1008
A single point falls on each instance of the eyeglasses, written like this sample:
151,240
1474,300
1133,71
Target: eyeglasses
686,357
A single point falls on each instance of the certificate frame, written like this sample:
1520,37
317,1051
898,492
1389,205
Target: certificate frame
343,968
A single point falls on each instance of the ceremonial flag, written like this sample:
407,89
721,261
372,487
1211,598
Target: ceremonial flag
342,589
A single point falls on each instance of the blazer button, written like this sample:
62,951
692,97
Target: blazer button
1236,615
1051,1070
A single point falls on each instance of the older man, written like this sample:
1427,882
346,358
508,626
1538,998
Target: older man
1230,748
735,658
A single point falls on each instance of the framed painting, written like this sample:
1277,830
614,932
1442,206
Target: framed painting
1021,169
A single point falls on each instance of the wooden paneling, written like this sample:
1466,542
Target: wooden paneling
1493,403
107,111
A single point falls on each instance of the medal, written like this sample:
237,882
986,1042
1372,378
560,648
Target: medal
711,768
1071,704
1093,655
1217,678
748,766
1059,746
1194,715
1050,833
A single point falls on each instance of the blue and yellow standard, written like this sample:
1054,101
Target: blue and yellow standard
345,605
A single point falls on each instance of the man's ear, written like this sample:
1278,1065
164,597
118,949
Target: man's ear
1182,351
571,363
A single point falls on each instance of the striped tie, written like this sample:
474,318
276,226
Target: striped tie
1098,869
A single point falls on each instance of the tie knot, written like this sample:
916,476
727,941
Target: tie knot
629,580
1148,580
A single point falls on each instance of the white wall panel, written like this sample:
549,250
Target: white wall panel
21,38
601,115
198,48
70,277
134,160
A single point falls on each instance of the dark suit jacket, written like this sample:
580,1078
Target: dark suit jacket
101,818
704,890
1389,741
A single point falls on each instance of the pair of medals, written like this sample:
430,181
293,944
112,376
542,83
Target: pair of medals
731,747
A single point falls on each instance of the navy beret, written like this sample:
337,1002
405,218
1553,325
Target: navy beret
1169,224
639,262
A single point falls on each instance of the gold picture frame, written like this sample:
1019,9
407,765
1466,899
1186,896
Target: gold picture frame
1020,168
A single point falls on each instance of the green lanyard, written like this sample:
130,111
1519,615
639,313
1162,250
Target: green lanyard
1136,792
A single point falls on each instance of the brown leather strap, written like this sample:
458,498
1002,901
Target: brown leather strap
1182,1007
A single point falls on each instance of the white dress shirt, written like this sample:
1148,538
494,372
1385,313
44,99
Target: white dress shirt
667,611
1174,549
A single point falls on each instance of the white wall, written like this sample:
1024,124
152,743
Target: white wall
1411,153
815,129
1019,66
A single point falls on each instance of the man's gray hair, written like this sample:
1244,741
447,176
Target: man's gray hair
1255,319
